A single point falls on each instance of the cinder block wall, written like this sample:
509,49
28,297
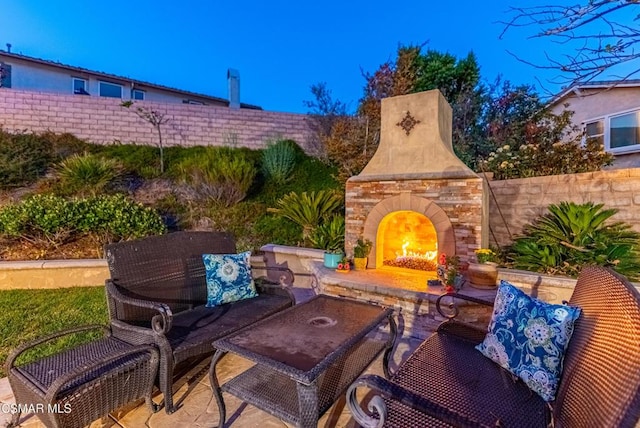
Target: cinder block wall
514,203
104,120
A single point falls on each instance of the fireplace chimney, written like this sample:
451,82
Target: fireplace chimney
415,139
8,47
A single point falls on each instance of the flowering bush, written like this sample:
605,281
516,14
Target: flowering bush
538,159
485,255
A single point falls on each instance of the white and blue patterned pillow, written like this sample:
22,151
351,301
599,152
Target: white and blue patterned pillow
529,337
228,278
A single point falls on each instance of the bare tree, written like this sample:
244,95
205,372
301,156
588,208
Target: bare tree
156,119
598,34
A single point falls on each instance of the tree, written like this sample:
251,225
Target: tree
323,113
599,34
156,119
353,140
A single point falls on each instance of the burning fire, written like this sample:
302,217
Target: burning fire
429,255
408,239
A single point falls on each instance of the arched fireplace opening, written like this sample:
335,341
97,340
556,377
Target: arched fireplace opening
407,239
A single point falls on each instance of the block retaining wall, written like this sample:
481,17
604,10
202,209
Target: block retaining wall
514,203
104,120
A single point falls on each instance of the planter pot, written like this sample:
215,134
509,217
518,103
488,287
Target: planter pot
483,275
360,263
331,260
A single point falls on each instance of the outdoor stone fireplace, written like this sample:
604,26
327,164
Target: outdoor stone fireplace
415,199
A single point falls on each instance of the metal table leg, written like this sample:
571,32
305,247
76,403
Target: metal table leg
215,386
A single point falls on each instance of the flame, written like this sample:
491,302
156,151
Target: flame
429,255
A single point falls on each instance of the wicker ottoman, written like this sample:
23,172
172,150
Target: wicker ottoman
79,385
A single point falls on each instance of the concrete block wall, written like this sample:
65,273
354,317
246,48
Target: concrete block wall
104,120
514,203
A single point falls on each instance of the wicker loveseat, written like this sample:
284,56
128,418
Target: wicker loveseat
157,292
447,382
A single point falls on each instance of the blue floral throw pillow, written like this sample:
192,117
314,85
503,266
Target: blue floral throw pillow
528,337
228,278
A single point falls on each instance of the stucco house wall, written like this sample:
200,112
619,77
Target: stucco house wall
589,104
33,74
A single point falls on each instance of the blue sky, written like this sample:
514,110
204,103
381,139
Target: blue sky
279,47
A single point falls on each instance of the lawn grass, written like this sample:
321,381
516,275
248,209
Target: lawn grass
29,314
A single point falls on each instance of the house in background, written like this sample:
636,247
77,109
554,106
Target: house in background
608,111
33,74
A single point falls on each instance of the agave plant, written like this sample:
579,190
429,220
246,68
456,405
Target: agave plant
308,209
573,235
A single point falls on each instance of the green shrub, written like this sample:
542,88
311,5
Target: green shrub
88,174
308,209
139,159
533,160
277,230
116,218
278,161
24,158
65,144
38,217
571,236
221,174
55,219
329,236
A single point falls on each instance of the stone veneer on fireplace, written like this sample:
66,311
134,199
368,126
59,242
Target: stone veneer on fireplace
415,169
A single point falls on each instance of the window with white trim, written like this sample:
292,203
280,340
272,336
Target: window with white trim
110,90
137,94
619,132
79,86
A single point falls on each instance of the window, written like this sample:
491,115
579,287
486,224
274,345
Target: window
79,86
137,94
619,132
595,131
5,75
625,130
110,90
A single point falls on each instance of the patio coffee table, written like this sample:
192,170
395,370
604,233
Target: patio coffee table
306,357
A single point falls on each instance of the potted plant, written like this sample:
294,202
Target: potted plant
449,273
329,236
344,266
484,273
360,253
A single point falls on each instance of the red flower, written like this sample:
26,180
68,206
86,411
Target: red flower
340,266
442,259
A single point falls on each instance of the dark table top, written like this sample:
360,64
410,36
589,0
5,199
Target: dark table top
303,340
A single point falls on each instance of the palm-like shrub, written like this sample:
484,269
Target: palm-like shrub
329,236
278,161
308,209
88,174
571,236
221,174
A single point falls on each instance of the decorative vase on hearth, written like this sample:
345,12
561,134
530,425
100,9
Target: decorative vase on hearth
483,275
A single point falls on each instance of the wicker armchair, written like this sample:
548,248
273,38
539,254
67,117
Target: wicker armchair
446,382
157,292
